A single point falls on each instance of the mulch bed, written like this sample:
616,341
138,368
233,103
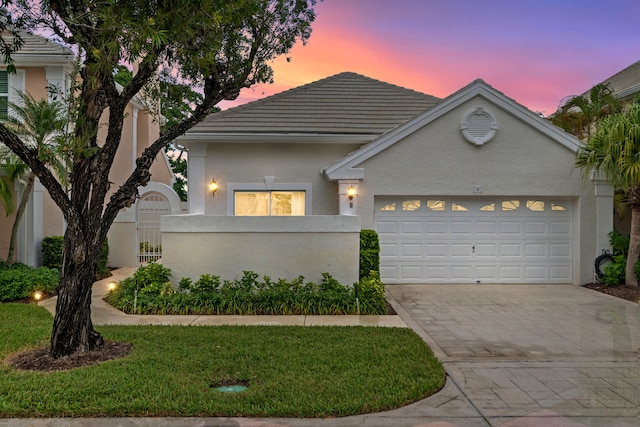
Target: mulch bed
617,291
40,360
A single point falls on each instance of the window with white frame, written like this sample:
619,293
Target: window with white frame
269,203
4,93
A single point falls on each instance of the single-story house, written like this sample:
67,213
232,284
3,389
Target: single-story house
473,188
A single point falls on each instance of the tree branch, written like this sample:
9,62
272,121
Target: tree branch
47,178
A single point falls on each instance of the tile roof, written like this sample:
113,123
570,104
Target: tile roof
38,45
346,103
626,83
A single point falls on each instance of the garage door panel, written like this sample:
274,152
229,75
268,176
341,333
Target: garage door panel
510,228
560,250
560,228
538,228
508,250
495,240
436,272
411,250
388,250
560,273
485,273
459,250
411,272
389,271
461,228
436,249
412,227
535,273
510,273
437,227
461,273
535,250
387,227
484,228
485,250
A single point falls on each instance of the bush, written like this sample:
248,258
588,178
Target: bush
52,251
248,295
103,259
614,272
369,253
52,247
18,281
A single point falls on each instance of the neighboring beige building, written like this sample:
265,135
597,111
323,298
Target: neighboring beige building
42,64
474,188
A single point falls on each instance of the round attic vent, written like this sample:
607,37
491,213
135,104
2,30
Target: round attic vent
479,126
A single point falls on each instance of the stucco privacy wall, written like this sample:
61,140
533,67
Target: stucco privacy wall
279,247
519,161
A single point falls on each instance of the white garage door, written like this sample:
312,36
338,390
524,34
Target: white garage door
475,240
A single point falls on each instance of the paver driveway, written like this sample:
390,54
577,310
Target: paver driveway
525,355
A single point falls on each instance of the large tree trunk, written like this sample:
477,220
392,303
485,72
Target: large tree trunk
634,247
19,212
72,326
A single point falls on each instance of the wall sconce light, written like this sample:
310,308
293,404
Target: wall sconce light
213,186
351,192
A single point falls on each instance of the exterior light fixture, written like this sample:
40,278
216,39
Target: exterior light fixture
37,295
213,186
112,286
351,192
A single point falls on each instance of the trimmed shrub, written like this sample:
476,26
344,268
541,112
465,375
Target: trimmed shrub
247,295
18,281
52,251
52,254
369,253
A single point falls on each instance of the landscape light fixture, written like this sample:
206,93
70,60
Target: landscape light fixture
37,295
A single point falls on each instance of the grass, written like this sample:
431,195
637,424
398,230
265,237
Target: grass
172,371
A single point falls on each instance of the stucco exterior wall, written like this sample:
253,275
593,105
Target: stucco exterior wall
53,222
287,163
36,82
274,246
122,244
520,161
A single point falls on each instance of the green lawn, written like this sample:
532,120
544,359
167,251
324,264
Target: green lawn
291,371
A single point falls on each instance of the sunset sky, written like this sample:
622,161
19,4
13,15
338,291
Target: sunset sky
536,52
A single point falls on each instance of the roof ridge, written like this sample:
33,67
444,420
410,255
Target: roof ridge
315,83
31,39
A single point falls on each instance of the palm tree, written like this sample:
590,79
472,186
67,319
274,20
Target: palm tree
580,114
614,150
37,123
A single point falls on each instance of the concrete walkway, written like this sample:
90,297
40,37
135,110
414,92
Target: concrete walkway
515,355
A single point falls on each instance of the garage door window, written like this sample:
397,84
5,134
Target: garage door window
436,205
